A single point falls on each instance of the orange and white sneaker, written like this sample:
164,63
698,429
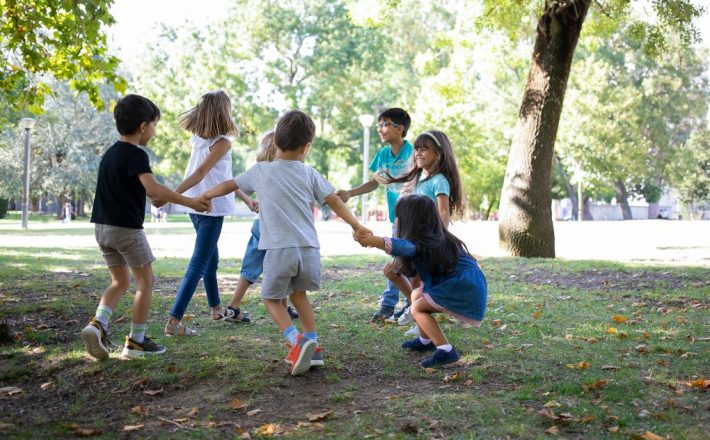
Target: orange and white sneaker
316,360
300,355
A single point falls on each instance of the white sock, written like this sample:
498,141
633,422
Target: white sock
103,315
138,332
446,347
425,341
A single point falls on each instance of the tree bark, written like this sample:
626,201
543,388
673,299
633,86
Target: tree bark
526,227
623,199
587,209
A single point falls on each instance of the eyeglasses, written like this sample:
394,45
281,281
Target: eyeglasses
387,124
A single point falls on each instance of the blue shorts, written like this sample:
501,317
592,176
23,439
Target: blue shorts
253,261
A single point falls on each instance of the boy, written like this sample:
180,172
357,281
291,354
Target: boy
124,180
286,189
394,158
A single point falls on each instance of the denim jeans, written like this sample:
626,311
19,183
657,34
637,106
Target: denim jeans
253,261
390,296
203,264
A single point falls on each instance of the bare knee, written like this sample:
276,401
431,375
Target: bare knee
416,294
389,271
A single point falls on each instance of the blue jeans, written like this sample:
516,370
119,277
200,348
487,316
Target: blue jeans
253,261
203,264
390,296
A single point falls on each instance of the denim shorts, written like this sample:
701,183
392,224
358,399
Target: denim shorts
123,246
290,269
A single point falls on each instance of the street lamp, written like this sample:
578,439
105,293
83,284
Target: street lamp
366,121
27,124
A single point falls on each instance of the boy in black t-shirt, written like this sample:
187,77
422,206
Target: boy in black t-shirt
125,178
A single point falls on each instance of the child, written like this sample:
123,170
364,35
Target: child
433,173
286,188
452,282
253,261
393,158
124,180
210,122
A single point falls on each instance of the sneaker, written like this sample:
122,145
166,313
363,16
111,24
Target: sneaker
292,312
134,349
96,339
440,358
316,360
402,310
300,355
406,317
413,330
178,329
382,314
416,344
233,315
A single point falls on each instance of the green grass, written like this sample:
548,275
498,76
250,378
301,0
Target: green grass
546,356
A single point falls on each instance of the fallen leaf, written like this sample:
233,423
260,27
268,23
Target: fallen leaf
551,403
536,314
587,419
579,366
4,426
253,412
430,370
552,430
319,417
703,384
613,429
623,335
237,404
153,392
188,317
120,319
181,420
46,385
496,323
129,428
642,348
193,412
267,429
611,331
141,381
453,377
651,436
10,391
609,367
599,384
619,319
138,410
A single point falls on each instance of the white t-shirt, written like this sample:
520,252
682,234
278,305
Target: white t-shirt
222,170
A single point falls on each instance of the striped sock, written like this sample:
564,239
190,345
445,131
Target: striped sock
313,336
138,332
291,334
103,315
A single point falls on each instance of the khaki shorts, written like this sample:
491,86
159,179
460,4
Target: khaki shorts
290,269
123,246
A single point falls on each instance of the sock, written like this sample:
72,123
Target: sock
103,315
425,341
313,336
291,334
137,332
446,347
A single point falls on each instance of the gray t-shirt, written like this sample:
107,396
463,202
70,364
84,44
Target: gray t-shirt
286,189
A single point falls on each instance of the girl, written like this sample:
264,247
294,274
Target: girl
433,173
452,282
253,261
210,122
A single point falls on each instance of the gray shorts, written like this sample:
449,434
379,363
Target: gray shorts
123,246
290,269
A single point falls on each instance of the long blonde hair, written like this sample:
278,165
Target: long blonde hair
267,153
211,117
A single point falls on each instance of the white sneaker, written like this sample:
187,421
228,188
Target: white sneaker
406,317
414,330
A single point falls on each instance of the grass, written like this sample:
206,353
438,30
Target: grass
577,349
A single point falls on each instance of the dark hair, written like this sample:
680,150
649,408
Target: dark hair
446,166
131,111
398,116
418,221
294,130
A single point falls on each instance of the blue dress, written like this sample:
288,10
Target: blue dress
462,293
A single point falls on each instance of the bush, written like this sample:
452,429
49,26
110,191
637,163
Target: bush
3,208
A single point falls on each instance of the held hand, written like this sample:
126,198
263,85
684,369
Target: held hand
202,204
157,203
362,232
379,178
344,195
254,206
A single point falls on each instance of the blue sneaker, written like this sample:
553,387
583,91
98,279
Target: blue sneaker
440,358
417,345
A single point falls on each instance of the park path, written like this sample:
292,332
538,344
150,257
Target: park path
641,241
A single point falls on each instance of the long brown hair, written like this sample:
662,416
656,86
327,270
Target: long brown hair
210,118
445,165
267,152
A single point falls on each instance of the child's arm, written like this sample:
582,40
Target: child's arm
251,203
155,190
221,189
219,149
442,204
338,206
365,188
370,240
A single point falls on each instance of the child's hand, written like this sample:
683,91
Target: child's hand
362,231
202,204
157,203
254,206
344,195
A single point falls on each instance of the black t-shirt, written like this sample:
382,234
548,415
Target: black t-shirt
120,196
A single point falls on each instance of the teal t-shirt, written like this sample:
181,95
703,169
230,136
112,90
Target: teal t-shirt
433,187
395,165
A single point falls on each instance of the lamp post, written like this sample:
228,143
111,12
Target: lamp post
366,121
27,124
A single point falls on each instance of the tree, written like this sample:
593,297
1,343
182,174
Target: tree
526,222
691,171
45,39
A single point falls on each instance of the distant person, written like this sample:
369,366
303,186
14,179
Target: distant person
67,212
124,180
211,124
393,158
452,281
286,187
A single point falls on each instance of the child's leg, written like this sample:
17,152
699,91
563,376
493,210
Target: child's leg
278,313
120,282
305,311
399,280
142,301
252,266
239,292
210,281
428,327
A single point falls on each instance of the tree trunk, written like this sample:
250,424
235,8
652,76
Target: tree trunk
526,227
571,193
623,199
587,209
491,204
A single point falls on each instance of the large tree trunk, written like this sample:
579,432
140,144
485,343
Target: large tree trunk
525,227
623,199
